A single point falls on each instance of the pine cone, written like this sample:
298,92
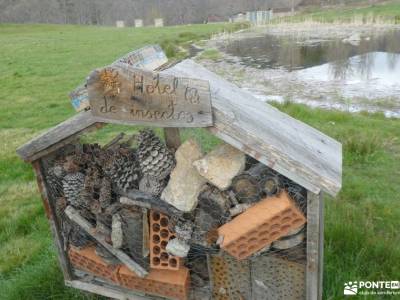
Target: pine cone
152,186
105,198
122,167
72,187
155,159
90,193
54,176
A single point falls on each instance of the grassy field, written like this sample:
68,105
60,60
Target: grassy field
41,64
386,12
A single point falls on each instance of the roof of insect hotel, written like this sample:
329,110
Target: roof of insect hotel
288,146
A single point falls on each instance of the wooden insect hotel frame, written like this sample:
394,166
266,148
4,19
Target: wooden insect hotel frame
163,220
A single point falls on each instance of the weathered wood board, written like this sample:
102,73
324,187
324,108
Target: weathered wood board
290,147
148,58
315,246
137,96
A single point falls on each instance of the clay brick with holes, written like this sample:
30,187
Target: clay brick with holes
160,234
164,283
263,223
87,260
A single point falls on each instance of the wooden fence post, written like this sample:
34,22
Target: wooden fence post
315,246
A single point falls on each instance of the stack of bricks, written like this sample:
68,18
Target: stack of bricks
160,234
164,283
87,260
260,225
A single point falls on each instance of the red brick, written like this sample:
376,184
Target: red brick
87,260
160,234
164,283
260,225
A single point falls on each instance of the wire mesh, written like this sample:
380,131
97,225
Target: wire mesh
93,179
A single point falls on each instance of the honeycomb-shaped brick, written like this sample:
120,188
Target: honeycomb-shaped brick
87,260
277,279
230,278
165,283
260,225
160,234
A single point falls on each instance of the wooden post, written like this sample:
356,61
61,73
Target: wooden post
315,246
172,138
51,216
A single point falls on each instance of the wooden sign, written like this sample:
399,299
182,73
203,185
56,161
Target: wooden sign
149,58
134,96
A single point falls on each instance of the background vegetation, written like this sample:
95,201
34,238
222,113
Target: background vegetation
386,12
41,64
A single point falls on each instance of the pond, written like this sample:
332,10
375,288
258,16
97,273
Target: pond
355,72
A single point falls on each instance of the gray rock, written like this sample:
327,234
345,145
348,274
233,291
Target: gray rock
178,248
221,165
185,183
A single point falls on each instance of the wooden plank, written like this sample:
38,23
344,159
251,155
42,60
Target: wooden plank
149,57
137,96
285,144
172,138
74,215
57,134
105,289
51,216
315,246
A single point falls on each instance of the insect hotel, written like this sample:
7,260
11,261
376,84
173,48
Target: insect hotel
144,217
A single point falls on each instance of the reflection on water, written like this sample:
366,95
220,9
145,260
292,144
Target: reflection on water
381,68
357,58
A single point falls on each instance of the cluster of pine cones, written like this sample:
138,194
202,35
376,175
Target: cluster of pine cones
88,177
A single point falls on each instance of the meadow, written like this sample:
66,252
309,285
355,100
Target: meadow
41,64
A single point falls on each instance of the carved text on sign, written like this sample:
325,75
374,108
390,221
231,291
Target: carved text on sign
133,95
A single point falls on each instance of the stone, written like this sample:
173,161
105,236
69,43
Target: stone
178,247
221,165
117,235
185,183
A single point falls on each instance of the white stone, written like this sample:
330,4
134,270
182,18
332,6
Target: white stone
117,235
221,165
178,248
185,183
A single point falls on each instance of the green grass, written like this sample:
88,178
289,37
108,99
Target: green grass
377,13
212,54
41,64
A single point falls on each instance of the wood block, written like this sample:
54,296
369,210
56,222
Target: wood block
164,283
260,225
87,260
160,234
275,278
230,278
